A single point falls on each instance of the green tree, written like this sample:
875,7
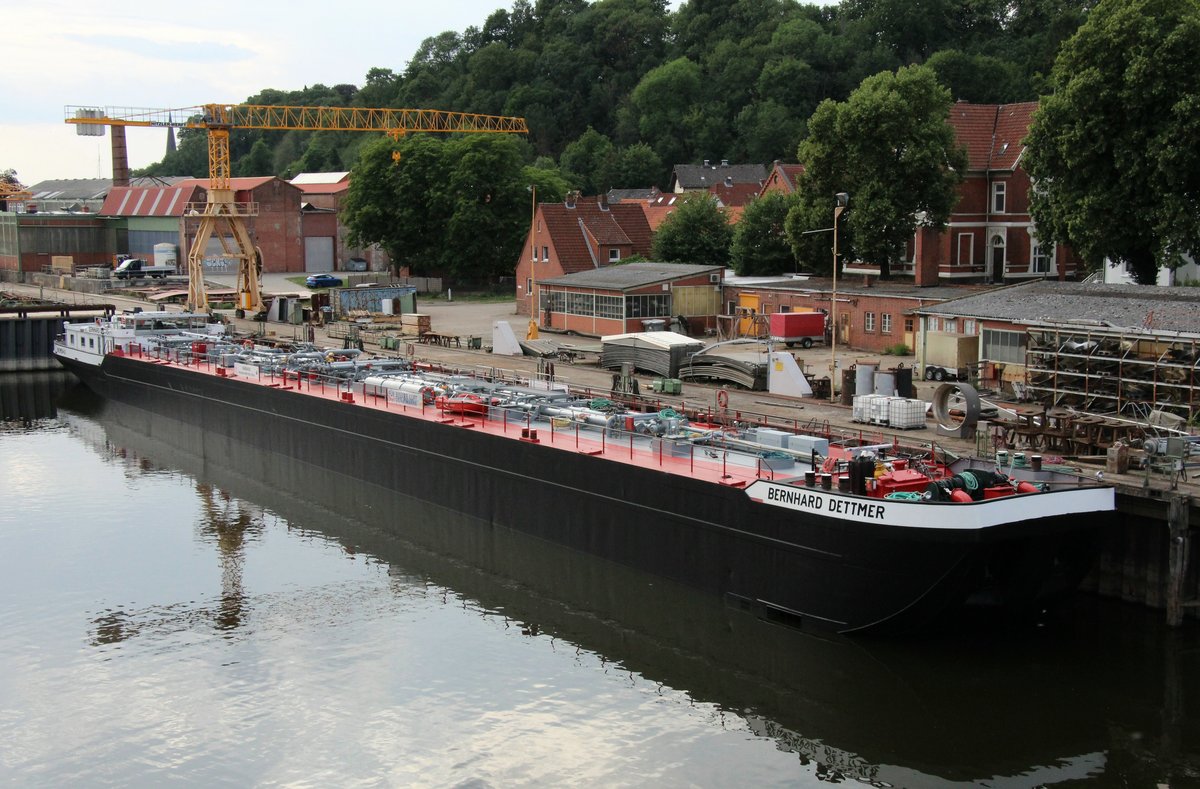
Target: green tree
981,79
9,176
760,242
458,207
398,205
488,206
190,157
585,160
632,167
665,105
891,147
552,183
1113,148
255,163
695,232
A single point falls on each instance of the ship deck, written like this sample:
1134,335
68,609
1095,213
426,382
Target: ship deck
673,456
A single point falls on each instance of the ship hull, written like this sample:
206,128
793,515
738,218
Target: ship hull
811,570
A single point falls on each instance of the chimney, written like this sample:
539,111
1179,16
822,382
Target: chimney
571,198
724,162
602,201
706,162
728,181
927,256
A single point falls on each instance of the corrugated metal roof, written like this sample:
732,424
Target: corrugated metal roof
156,201
320,178
1050,301
630,275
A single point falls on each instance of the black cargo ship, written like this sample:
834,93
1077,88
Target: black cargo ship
844,538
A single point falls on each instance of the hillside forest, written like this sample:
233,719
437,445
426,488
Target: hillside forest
616,92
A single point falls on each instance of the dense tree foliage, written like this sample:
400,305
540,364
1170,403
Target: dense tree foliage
616,92
715,79
459,207
892,148
760,242
695,232
1113,149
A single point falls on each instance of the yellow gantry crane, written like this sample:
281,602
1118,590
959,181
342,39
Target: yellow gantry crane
221,215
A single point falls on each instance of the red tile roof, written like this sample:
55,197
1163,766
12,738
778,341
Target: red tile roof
657,213
571,230
734,194
992,133
149,201
782,178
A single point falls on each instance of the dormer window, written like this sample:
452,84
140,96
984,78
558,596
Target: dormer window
998,192
614,256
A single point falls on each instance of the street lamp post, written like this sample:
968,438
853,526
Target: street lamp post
842,200
531,333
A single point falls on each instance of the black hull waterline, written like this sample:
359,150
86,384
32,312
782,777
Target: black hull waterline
809,569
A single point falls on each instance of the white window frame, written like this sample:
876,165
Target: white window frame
614,256
969,326
1034,247
869,322
545,253
970,239
885,323
950,325
999,197
1001,345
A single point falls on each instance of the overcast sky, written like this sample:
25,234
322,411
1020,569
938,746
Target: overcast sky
161,55
134,53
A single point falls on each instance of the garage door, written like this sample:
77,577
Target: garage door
318,253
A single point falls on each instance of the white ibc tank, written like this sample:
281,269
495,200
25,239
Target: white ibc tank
165,254
864,377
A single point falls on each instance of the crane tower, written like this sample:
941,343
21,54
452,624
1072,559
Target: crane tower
221,215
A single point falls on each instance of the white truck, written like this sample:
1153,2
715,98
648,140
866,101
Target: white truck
137,268
948,357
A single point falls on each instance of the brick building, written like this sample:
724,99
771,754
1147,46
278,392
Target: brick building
628,298
326,243
991,236
29,241
578,235
875,316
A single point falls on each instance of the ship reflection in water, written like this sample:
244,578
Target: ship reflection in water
1101,696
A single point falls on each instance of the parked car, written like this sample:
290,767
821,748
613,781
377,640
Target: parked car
323,281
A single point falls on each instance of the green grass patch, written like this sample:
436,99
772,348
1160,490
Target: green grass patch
475,298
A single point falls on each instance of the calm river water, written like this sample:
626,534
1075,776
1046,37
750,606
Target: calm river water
234,619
